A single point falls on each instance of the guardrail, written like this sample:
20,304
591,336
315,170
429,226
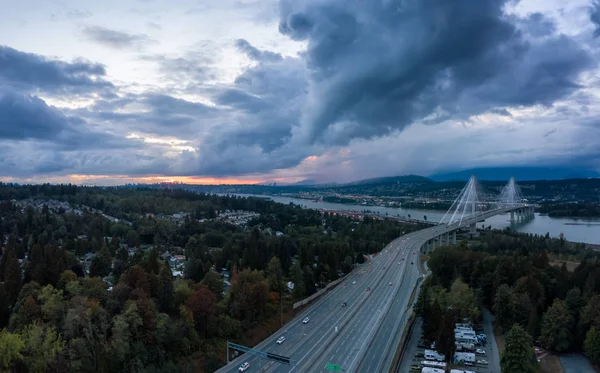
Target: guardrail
307,300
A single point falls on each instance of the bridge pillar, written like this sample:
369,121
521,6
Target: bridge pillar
447,238
454,237
512,216
473,230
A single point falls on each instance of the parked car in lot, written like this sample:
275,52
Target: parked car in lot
280,340
415,367
480,351
422,345
244,367
482,362
419,354
306,320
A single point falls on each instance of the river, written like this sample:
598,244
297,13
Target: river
575,230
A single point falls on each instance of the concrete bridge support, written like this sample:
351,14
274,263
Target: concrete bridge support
454,238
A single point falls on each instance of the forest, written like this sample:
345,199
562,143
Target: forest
534,301
90,287
571,210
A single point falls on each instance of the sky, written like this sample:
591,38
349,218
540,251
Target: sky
246,91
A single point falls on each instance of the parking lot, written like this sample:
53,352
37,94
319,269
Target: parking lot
414,354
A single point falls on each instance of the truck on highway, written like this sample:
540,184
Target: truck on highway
434,355
464,357
461,371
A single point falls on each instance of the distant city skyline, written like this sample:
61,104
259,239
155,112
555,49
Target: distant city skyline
256,91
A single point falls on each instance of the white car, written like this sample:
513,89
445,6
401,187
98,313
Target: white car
480,351
390,284
353,282
280,340
244,367
306,320
482,362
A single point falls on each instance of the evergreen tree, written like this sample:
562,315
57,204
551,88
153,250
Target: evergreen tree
101,263
518,356
12,277
591,346
432,321
165,289
556,327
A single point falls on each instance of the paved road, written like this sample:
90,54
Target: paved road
576,363
367,328
491,349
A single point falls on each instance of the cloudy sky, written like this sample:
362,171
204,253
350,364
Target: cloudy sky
232,91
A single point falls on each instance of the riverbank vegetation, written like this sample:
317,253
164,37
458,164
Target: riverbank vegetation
571,210
128,280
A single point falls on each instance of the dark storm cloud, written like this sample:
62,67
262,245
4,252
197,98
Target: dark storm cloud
536,24
502,112
595,16
28,71
255,53
377,66
117,39
241,100
267,100
24,117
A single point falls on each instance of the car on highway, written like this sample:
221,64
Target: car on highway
353,282
280,340
390,284
480,351
244,367
343,304
306,320
412,263
368,289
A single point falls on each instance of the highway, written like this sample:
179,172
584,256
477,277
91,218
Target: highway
363,335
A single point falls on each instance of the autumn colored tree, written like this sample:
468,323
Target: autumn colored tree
202,306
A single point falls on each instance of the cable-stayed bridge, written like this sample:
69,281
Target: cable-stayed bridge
357,326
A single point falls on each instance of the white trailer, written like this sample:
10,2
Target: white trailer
432,370
461,371
464,347
465,339
464,357
433,364
434,355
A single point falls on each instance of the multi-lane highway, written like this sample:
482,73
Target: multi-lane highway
362,335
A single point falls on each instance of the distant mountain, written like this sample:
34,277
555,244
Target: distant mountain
305,182
392,180
520,174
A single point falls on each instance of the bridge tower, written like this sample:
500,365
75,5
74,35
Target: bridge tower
466,205
511,196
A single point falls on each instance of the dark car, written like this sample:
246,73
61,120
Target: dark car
412,263
419,354
343,304
422,345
